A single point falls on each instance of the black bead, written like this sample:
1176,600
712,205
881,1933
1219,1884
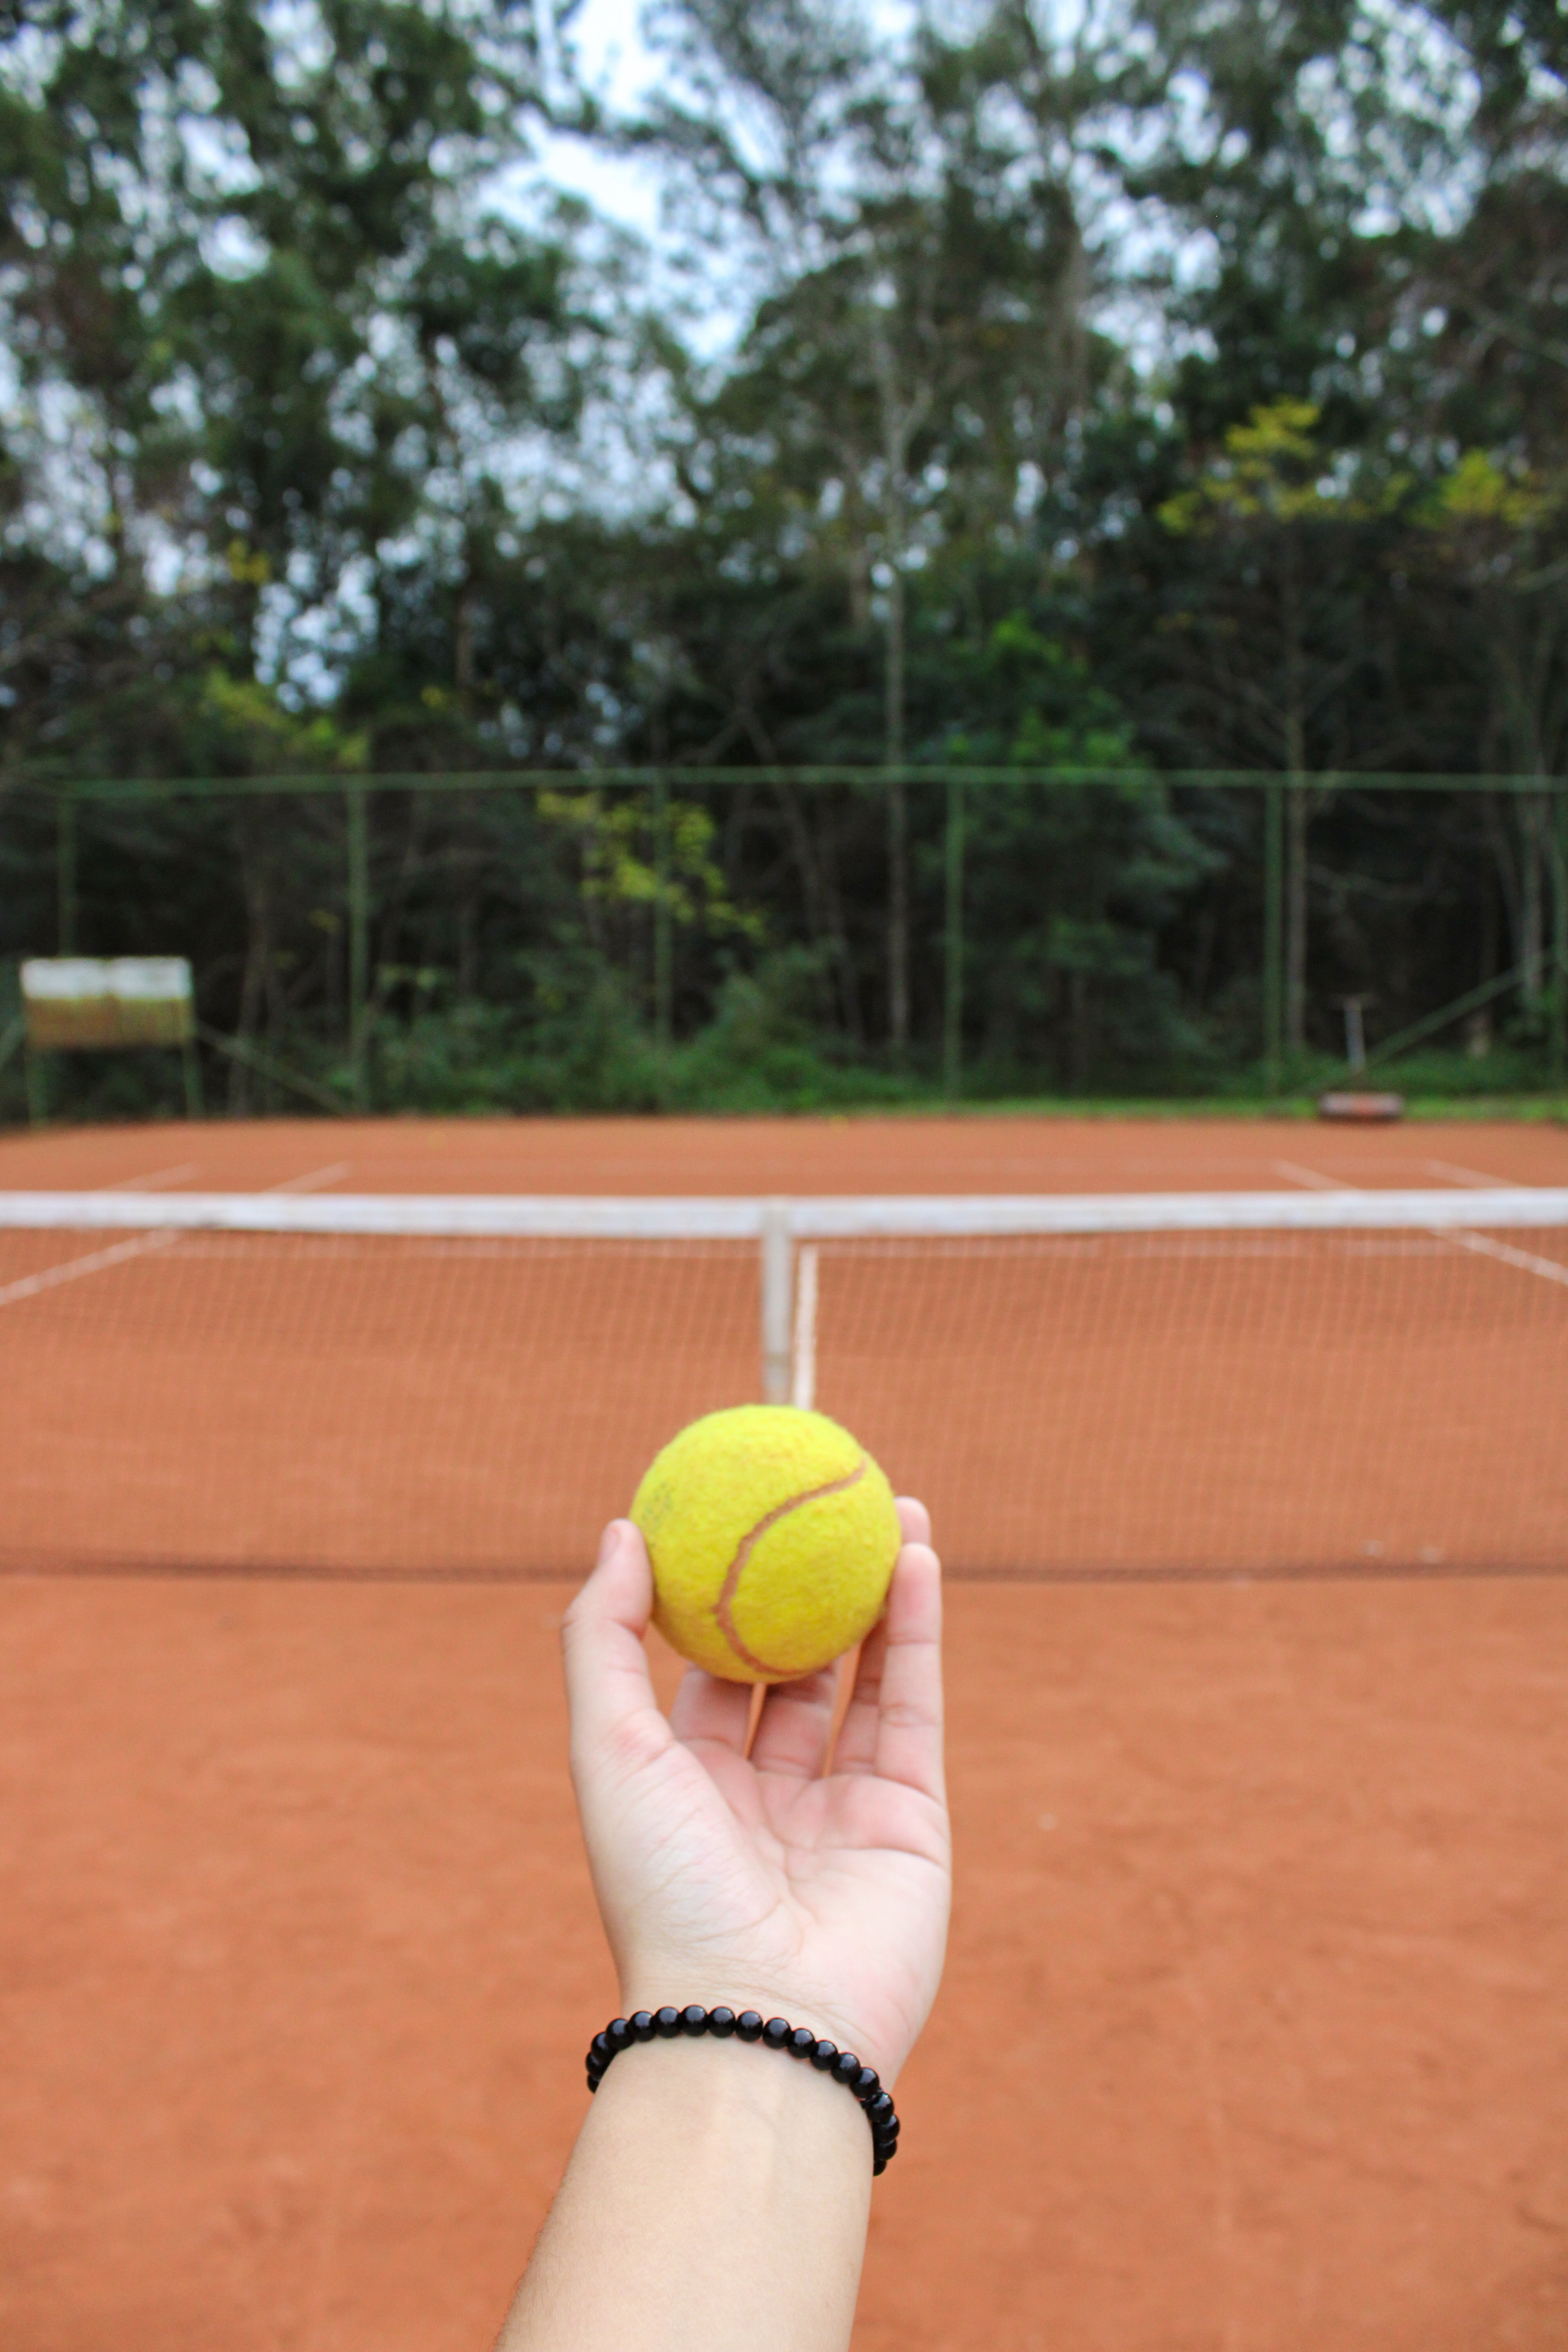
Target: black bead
800,2041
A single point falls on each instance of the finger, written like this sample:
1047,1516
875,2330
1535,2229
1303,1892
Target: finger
795,1725
706,1710
856,1748
893,1724
914,1520
609,1691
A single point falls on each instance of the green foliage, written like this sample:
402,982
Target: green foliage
634,858
1186,393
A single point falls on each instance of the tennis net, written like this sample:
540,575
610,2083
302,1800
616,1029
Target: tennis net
1128,1385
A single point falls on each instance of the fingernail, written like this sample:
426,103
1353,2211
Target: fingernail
608,1542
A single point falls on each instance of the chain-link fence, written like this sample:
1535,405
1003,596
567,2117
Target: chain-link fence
627,938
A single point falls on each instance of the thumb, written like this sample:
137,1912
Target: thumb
609,1691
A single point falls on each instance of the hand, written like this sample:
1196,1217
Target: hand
753,1879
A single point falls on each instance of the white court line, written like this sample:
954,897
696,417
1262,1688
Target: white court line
803,1369
30,1284
1526,1260
1457,1175
315,1180
1312,1179
52,1275
157,1176
1482,1244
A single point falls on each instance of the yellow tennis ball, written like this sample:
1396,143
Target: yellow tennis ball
772,1536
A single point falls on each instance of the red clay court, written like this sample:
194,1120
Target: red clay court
1258,1740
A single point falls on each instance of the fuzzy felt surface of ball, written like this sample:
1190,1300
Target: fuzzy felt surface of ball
773,1536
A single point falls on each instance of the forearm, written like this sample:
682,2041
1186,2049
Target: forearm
716,2201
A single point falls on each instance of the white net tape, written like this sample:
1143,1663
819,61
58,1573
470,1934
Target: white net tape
852,1216
1165,1384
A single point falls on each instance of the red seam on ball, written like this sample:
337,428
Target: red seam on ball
723,1607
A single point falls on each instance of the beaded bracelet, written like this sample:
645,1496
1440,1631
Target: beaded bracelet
777,2033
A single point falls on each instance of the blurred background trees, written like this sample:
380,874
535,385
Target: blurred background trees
1144,387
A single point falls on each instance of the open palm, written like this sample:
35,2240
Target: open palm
752,1878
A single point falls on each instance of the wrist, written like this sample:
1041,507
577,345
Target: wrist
750,2098
778,2036
805,2048
718,2196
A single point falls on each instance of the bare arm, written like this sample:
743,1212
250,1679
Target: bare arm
718,2195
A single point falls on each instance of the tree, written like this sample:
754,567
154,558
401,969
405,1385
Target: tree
1500,533
1276,627
919,353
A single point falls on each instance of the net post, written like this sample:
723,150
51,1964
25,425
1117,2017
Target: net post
802,1363
953,1027
777,1271
1273,934
359,936
64,872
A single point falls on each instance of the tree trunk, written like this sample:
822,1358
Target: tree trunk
253,991
468,858
1077,1003
823,910
463,648
1525,642
1297,810
1296,815
900,418
848,976
1532,823
897,827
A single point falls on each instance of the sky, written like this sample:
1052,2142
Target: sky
618,67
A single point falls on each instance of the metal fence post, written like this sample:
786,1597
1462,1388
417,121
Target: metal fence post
191,1071
64,872
953,1024
777,1271
1273,935
1560,934
663,933
359,939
